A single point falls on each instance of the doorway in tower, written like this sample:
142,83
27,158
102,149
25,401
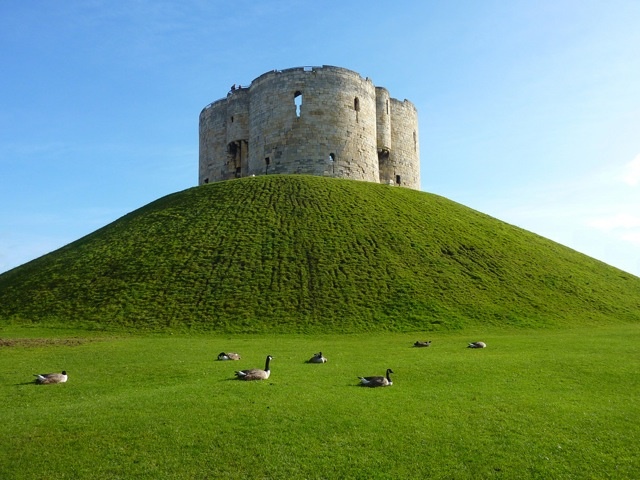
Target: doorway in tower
237,154
385,168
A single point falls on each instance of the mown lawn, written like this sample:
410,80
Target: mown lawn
534,404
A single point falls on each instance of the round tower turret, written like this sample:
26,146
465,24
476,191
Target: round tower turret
383,119
404,157
213,142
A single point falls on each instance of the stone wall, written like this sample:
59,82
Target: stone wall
326,121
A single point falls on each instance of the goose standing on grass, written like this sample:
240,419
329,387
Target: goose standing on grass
228,356
47,378
317,358
422,344
255,373
377,381
477,345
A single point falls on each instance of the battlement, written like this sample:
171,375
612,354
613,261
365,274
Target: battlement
326,120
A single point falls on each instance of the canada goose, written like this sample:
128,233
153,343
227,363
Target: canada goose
228,356
422,344
317,358
255,373
377,381
477,345
46,378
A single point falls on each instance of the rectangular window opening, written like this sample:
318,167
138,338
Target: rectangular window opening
297,100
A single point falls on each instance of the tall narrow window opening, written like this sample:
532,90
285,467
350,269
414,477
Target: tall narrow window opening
267,162
356,104
398,179
297,100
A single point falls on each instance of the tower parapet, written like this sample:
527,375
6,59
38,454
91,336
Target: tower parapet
326,121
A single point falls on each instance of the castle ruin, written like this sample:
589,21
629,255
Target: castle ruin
326,121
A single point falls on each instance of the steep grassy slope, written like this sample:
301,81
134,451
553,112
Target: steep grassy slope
303,254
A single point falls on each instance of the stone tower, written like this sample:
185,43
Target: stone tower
326,121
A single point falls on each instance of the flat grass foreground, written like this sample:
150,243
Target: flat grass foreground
533,404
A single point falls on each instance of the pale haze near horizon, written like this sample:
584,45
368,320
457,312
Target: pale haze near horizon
529,112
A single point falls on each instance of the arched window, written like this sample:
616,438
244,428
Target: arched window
356,104
297,100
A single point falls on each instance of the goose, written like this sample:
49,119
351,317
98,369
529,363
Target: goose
377,381
46,378
228,356
422,344
255,373
317,358
477,345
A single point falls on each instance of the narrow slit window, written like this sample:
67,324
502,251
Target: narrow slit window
297,100
356,104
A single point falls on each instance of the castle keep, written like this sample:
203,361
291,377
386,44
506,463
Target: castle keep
326,121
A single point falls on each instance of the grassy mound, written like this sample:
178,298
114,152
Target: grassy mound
311,254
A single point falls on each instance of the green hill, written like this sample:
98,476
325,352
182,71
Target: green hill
311,254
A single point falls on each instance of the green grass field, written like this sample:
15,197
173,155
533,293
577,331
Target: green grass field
554,403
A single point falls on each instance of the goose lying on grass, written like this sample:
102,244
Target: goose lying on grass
255,373
228,356
477,345
47,378
422,344
317,358
377,381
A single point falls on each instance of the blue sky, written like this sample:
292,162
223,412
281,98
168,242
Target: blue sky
529,111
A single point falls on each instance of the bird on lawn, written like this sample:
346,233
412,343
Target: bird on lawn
477,345
47,378
228,356
422,344
377,381
317,358
256,373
